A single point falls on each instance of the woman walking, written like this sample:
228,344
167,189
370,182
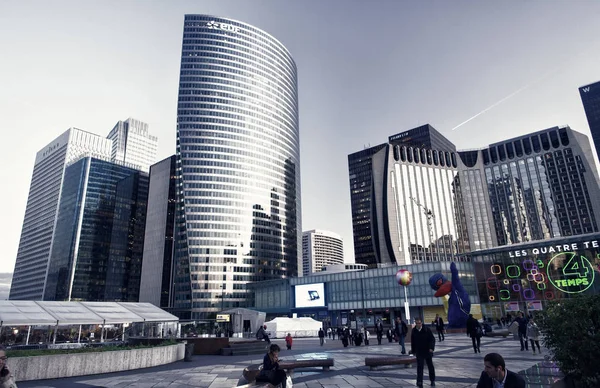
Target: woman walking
533,333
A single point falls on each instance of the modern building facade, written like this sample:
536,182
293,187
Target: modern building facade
361,296
537,187
133,145
238,215
42,207
590,96
157,267
319,249
99,235
525,276
415,211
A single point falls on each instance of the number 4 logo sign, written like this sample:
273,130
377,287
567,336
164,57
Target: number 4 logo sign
577,273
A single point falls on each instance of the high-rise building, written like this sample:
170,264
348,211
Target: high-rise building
538,186
157,267
99,235
238,217
319,249
42,206
406,200
133,145
590,96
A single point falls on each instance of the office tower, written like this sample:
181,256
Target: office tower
319,249
42,205
541,185
238,217
406,200
99,235
157,267
590,96
133,145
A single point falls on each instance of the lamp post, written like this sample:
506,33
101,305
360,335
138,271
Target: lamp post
222,296
404,277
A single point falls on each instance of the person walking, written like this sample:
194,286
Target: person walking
367,336
289,341
533,333
475,331
351,337
321,336
333,331
379,331
439,327
522,321
390,337
345,337
271,373
422,345
496,375
401,331
6,378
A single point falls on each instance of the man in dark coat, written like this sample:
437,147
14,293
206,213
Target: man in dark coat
379,330
474,331
522,321
422,344
321,336
495,374
439,327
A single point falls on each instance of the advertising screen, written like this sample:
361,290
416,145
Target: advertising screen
310,295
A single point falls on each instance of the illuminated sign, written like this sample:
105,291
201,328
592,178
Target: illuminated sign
222,26
555,249
310,295
577,272
222,317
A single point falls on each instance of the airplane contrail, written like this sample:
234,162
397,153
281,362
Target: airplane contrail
507,97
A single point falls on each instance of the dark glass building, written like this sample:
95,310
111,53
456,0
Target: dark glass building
590,96
238,154
99,235
157,267
539,186
425,137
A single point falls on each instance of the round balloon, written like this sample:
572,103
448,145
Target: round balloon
403,277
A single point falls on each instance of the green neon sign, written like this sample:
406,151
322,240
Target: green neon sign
578,272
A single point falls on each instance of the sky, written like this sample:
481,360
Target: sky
366,70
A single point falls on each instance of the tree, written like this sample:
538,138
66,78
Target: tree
571,329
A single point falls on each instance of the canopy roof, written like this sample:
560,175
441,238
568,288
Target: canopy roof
32,313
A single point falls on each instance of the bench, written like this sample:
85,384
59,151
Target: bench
251,372
503,333
374,362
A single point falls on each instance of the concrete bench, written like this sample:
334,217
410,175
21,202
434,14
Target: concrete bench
374,362
251,372
499,333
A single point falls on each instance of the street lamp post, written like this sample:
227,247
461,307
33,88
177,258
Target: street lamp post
222,296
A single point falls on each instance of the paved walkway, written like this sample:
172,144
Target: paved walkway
455,363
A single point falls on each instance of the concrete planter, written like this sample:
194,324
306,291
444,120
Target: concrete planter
81,364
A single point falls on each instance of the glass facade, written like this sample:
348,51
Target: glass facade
42,205
524,277
99,236
132,144
370,294
238,214
590,96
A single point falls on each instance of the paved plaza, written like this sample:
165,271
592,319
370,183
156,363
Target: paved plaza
455,362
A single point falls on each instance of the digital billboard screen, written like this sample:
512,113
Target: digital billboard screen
310,295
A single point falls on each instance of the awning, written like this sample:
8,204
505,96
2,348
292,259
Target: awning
34,313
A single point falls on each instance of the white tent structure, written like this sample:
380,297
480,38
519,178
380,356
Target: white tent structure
55,314
298,327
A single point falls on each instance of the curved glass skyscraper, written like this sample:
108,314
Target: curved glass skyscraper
238,156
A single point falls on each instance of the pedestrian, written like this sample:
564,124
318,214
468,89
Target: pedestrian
474,331
351,336
379,331
344,337
401,331
321,336
422,345
522,321
496,375
333,331
367,335
289,341
270,372
6,378
261,334
439,326
329,332
389,335
533,333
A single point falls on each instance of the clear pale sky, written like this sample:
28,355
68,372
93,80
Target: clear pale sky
367,70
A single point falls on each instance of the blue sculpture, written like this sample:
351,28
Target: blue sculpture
459,305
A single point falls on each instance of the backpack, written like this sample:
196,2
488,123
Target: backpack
478,331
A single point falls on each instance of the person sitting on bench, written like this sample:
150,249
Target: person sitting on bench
271,373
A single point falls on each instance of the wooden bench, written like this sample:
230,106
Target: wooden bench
374,362
251,372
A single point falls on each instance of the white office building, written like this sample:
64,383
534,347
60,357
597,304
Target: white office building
133,145
320,248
